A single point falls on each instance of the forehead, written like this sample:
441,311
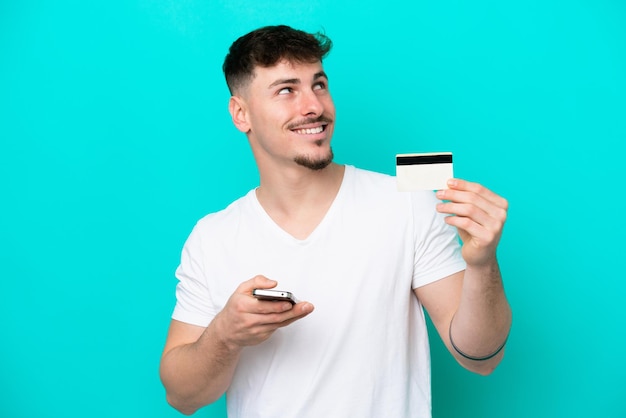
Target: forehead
264,77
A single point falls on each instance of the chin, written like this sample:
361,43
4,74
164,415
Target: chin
315,164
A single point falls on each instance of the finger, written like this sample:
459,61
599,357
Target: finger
268,307
493,221
255,328
471,231
299,311
263,330
480,226
472,199
457,210
257,282
280,319
242,301
464,185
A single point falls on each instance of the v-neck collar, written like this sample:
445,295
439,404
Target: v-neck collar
274,228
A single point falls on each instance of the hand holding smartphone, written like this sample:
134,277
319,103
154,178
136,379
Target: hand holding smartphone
274,295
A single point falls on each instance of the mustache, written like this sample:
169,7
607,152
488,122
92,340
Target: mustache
308,121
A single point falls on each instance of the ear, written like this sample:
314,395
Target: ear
239,113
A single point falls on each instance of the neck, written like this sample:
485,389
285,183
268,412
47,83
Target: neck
299,185
298,199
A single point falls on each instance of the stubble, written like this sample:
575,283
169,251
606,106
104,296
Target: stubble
315,164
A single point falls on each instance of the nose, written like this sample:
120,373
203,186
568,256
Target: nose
310,104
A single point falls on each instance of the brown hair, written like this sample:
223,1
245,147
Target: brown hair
267,46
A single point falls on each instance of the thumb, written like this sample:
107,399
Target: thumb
257,282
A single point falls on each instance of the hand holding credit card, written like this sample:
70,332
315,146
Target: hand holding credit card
426,171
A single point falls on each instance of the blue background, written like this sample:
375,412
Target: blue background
115,138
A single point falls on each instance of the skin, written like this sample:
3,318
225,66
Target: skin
474,298
288,115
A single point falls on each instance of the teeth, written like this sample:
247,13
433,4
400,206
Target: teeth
310,131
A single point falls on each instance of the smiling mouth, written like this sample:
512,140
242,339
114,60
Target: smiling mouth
310,131
310,126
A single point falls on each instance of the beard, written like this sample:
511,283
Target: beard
315,164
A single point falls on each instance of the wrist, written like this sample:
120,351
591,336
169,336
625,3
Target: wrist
482,356
220,336
485,262
489,270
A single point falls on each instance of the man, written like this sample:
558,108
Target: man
341,238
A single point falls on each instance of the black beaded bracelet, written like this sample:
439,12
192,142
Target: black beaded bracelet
472,357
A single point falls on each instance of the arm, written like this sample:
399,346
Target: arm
198,363
471,306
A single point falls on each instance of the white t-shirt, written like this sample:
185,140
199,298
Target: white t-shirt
363,351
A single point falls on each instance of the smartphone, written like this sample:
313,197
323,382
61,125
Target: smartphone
274,295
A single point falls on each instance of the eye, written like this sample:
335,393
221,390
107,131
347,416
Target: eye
285,90
319,86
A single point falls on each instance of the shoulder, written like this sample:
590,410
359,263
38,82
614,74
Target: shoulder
360,175
225,219
366,183
383,187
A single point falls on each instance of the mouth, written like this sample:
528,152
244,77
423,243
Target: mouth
310,131
310,126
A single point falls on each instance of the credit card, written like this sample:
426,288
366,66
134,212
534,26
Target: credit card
425,171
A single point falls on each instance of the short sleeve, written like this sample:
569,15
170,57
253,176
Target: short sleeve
193,298
437,246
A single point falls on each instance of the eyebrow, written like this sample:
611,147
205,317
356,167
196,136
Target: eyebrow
281,81
321,74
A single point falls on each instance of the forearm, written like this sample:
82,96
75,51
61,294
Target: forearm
197,374
482,321
198,364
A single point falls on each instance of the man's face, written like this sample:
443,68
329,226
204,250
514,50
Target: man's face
289,115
